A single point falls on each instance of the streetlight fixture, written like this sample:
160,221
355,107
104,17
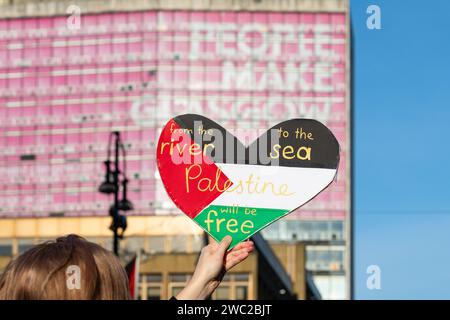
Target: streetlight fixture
107,186
111,185
125,204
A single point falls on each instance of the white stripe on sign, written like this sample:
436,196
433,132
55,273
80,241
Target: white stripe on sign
272,186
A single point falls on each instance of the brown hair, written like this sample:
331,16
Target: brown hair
42,272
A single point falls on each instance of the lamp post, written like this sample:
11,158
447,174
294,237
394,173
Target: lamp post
111,184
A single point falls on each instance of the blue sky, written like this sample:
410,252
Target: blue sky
402,150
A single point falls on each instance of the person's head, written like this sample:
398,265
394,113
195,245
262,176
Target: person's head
51,271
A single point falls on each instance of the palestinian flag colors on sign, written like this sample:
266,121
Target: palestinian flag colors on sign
231,189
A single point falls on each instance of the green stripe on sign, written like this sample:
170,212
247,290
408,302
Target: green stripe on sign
238,222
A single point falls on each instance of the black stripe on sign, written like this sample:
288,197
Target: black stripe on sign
307,144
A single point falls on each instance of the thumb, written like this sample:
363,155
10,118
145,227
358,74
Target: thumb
211,240
224,244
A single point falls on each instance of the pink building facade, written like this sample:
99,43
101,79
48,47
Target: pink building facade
67,81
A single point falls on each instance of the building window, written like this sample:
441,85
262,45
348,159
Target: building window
223,293
240,277
177,281
337,230
151,286
325,258
25,244
174,290
154,278
6,248
241,292
304,230
154,293
179,277
234,286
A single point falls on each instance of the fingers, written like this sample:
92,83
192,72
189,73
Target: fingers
238,254
247,246
211,240
234,259
224,244
244,244
221,247
239,251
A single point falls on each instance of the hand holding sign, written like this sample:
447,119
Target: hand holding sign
230,189
213,263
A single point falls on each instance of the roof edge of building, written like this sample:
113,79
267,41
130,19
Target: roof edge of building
27,8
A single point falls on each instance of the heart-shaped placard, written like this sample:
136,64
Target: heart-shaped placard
230,189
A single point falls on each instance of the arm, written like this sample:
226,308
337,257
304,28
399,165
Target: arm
212,265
